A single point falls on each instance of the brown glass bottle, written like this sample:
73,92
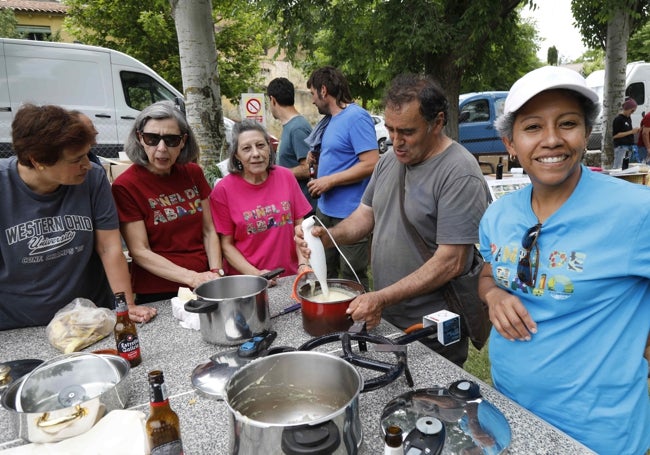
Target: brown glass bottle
126,335
393,440
313,169
163,426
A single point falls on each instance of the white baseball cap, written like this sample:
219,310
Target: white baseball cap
546,78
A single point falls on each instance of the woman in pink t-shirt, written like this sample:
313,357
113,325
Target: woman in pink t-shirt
256,207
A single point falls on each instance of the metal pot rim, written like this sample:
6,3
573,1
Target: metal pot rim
256,423
263,282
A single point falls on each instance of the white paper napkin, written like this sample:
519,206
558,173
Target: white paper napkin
187,320
120,431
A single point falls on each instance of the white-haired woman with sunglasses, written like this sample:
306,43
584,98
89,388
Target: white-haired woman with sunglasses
162,201
567,274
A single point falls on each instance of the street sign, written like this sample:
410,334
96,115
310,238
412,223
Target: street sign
252,107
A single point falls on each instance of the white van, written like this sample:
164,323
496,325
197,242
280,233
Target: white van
108,86
637,86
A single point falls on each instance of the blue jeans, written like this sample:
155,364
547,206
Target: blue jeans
620,152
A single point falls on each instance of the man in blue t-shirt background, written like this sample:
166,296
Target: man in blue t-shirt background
348,156
292,150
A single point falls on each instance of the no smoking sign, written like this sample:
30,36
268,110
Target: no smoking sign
252,106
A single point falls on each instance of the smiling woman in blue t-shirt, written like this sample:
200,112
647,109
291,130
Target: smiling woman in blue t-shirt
569,297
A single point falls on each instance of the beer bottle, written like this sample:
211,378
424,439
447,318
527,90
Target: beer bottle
313,169
393,441
126,335
163,427
499,175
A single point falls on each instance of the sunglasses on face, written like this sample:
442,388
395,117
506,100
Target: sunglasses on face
527,272
152,139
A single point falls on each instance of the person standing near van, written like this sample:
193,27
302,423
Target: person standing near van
348,155
623,133
60,229
162,201
643,143
292,150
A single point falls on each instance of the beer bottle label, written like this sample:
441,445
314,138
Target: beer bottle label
129,347
169,448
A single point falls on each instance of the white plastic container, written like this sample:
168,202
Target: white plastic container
317,258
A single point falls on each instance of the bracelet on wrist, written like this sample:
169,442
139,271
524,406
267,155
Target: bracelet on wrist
303,264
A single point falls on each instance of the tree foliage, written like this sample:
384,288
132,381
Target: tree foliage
551,55
8,24
637,47
374,40
146,32
592,17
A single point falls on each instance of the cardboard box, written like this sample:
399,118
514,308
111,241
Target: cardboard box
115,167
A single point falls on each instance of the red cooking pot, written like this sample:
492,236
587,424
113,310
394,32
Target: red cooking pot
322,317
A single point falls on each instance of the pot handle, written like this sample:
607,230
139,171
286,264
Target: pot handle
58,424
272,274
321,439
200,306
294,289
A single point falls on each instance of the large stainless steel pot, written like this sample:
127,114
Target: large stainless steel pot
234,308
66,396
295,403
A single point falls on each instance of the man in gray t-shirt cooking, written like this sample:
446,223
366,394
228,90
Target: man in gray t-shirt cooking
444,197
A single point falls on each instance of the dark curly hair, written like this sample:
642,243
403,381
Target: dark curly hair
409,87
335,82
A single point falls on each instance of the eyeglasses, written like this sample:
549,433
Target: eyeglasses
525,271
152,139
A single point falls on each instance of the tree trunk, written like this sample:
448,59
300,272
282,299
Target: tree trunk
618,33
450,76
198,54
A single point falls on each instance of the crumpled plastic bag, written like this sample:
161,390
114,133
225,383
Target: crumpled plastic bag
78,325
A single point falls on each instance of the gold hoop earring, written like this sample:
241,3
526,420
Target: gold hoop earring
41,168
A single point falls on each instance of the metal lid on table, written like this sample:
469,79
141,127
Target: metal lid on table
65,381
469,422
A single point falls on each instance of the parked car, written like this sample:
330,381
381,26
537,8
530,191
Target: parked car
381,132
477,112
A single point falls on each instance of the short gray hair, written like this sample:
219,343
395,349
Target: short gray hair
504,124
160,111
239,128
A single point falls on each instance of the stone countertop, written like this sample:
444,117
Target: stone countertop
205,422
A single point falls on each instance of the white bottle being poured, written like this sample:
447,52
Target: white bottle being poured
317,257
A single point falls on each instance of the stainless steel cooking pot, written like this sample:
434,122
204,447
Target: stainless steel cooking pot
295,403
234,308
66,396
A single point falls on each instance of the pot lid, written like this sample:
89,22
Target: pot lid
66,381
469,424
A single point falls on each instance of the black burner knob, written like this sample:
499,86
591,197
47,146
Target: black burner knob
464,389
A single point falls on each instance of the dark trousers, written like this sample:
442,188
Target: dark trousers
358,254
456,352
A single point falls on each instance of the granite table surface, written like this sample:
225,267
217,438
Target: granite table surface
205,424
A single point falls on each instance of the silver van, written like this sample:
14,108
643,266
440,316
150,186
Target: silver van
108,86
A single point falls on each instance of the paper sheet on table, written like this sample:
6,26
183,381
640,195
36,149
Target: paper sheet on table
119,431
187,320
